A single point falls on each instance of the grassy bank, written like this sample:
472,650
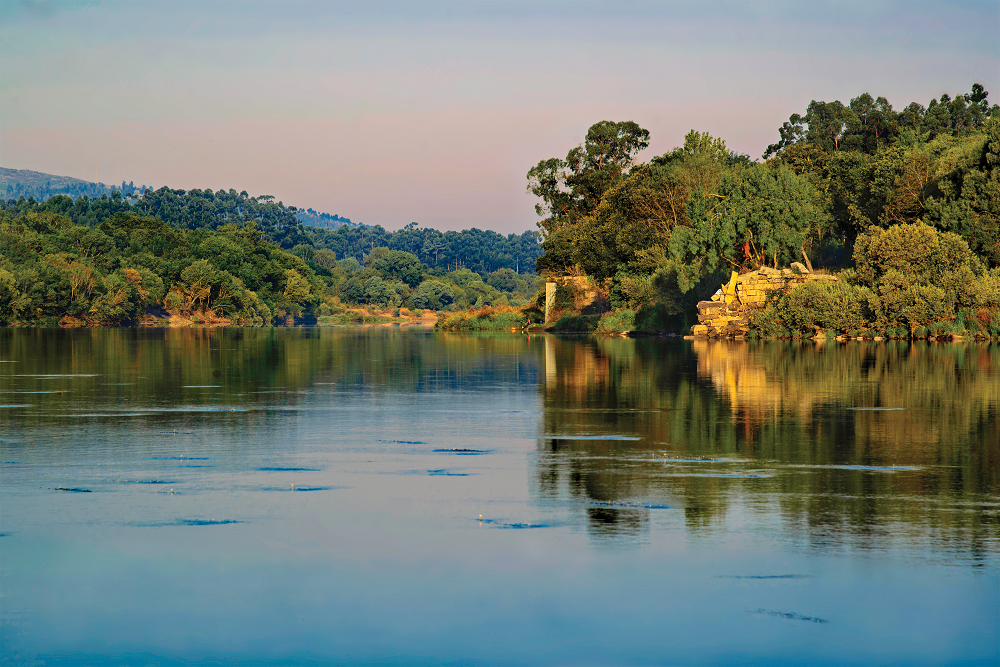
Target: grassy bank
501,318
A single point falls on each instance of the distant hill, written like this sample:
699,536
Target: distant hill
16,183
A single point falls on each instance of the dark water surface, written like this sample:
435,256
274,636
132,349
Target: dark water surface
377,496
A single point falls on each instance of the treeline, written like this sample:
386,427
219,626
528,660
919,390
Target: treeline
130,269
317,219
17,183
478,250
475,249
661,235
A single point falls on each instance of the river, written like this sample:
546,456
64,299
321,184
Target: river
391,496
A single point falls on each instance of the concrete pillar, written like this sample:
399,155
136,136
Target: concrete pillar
550,299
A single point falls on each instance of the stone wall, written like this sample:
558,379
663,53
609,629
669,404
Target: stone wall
585,294
727,314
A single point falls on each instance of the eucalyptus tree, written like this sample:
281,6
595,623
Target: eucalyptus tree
573,187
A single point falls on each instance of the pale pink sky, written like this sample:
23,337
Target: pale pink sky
433,112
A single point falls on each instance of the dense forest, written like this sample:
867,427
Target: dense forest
16,183
317,219
904,204
132,268
474,249
224,255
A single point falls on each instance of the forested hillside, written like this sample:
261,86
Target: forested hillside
475,249
16,183
661,235
317,219
131,268
116,260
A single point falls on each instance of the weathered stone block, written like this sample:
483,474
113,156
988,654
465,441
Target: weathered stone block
711,306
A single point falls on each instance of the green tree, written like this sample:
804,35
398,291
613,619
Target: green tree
399,265
572,188
761,215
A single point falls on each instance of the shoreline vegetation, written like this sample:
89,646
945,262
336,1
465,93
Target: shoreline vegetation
899,209
893,217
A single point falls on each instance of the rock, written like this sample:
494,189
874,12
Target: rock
727,314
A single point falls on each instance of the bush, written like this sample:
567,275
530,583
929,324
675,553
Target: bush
766,323
433,294
576,323
660,317
822,305
484,319
618,321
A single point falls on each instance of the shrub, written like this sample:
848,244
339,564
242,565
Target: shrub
433,294
484,319
824,305
767,323
618,321
576,323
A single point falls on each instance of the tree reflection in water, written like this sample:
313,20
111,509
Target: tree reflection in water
775,430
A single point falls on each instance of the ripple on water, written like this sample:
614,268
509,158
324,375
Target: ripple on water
205,522
510,525
558,436
294,487
45,376
889,468
144,481
764,576
788,615
626,504
179,458
463,451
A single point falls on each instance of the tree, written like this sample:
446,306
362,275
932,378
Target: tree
572,188
761,215
399,265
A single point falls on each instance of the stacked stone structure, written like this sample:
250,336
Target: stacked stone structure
727,314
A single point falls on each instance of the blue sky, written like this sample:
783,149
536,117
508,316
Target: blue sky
434,111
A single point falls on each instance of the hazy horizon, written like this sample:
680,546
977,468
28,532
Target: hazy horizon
388,113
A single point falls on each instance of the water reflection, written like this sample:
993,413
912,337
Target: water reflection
773,431
170,495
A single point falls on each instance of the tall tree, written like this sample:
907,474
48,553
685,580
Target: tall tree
572,188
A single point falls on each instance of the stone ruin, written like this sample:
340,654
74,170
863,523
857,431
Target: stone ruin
727,314
585,295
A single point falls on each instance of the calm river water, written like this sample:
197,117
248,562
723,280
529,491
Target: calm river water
384,496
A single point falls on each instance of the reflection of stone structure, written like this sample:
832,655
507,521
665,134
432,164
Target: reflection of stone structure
765,385
573,368
736,376
727,315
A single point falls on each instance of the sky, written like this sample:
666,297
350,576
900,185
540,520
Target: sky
433,112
